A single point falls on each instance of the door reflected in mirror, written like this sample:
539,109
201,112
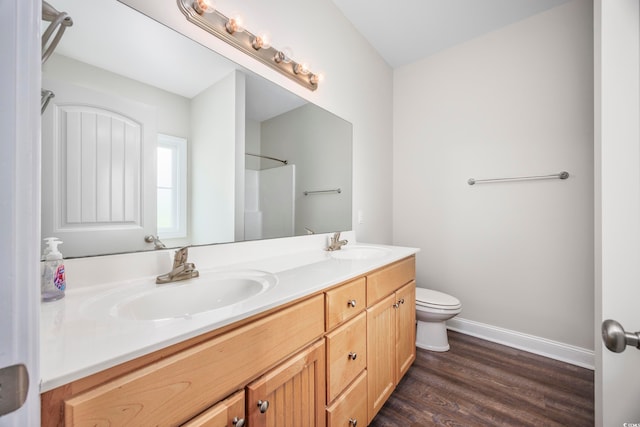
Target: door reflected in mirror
113,170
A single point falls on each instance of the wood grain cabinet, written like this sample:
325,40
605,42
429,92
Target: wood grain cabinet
331,359
291,394
345,302
405,329
228,413
174,389
390,330
346,354
350,409
346,339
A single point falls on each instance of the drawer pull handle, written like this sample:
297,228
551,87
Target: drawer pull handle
396,305
351,303
402,301
238,422
353,422
263,405
353,355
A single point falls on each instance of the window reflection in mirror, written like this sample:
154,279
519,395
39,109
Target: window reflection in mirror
192,94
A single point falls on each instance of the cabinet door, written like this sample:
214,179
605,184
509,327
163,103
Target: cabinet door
228,413
381,353
292,394
405,329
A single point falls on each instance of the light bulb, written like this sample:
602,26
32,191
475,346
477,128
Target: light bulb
203,6
261,42
301,68
283,55
234,25
315,79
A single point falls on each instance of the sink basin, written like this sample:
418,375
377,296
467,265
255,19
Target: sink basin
211,291
359,252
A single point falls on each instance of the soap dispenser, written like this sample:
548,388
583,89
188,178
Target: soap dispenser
53,276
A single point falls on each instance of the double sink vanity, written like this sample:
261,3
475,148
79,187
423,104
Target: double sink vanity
271,333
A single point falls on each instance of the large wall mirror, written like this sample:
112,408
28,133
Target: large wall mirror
151,134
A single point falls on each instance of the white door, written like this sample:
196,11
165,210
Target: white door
98,171
617,155
19,212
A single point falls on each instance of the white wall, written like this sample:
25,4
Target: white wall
213,163
173,110
319,33
318,144
252,144
517,101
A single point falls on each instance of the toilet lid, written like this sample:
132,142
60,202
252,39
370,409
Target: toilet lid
431,298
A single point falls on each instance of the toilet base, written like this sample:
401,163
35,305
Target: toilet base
432,336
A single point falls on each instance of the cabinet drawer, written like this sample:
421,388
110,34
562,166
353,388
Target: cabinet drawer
350,409
384,282
346,354
344,302
173,390
227,413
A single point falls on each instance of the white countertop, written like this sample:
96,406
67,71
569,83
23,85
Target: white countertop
76,341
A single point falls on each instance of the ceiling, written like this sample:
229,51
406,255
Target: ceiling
405,31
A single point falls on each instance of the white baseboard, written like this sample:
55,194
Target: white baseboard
542,346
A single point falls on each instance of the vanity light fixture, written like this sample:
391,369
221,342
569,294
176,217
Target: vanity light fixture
203,14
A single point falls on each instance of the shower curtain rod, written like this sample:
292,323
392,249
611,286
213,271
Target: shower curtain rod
561,175
267,157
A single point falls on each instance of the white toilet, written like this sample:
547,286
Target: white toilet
433,309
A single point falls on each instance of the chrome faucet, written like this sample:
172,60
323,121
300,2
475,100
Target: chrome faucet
336,244
182,270
157,243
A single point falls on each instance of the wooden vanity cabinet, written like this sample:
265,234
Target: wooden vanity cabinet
175,388
390,330
228,413
331,359
293,394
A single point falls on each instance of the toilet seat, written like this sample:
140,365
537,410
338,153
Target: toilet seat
429,298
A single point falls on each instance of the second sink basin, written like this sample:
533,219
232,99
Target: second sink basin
211,291
360,252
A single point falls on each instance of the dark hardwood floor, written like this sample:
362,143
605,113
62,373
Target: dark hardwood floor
480,383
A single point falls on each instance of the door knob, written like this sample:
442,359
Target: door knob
14,387
616,339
